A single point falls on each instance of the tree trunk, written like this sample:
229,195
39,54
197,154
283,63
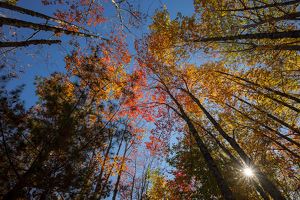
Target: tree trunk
256,36
34,26
120,173
270,129
111,168
40,15
266,184
100,186
239,164
270,97
27,43
289,16
225,190
266,6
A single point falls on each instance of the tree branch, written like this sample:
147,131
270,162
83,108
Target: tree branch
6,151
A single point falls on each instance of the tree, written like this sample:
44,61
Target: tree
159,188
194,180
42,27
236,109
69,19
64,136
157,70
181,85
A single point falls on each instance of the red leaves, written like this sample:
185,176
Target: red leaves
80,11
155,146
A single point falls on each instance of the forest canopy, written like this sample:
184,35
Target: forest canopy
131,102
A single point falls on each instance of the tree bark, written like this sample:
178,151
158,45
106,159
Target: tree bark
40,15
111,168
270,97
290,16
257,36
29,42
238,163
225,190
279,47
266,184
120,172
266,6
34,26
100,185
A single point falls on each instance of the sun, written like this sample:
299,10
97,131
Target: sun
248,172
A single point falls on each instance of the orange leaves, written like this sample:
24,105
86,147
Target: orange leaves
78,10
105,75
155,145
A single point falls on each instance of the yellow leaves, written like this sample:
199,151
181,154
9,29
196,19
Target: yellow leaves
102,74
56,84
160,20
158,189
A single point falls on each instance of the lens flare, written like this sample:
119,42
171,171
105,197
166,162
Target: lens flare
248,172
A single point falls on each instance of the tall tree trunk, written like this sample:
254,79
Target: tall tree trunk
238,163
265,182
100,186
285,3
120,172
289,16
256,36
225,190
111,168
133,180
40,15
34,26
27,43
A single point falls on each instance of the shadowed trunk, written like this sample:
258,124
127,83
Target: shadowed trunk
225,190
238,163
268,96
256,36
29,42
272,130
265,182
265,6
40,15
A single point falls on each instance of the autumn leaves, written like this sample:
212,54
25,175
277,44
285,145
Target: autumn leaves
225,81
244,96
